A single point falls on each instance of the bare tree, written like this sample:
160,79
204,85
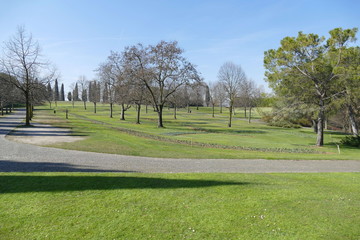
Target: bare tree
24,67
109,73
212,86
231,76
84,89
162,69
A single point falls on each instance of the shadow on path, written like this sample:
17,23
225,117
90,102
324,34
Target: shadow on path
31,183
13,166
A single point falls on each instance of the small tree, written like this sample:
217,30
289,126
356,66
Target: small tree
231,76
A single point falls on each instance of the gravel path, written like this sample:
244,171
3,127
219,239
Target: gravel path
20,157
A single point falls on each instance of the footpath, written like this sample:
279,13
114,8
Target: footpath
21,157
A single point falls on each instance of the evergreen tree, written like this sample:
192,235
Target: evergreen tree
76,93
62,93
69,96
56,91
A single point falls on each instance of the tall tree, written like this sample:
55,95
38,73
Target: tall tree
162,69
24,67
56,91
83,88
49,96
305,66
94,93
76,93
232,77
69,96
62,93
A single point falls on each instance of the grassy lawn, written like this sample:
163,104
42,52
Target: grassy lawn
191,135
179,206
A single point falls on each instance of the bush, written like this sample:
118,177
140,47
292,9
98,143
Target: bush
352,141
284,124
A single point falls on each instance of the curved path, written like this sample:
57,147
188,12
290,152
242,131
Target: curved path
18,157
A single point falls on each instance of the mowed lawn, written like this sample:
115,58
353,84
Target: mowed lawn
191,135
179,206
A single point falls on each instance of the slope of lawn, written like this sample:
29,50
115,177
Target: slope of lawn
191,135
179,206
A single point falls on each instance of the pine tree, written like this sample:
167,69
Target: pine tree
62,93
56,91
76,93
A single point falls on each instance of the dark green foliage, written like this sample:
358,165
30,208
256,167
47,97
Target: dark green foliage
352,141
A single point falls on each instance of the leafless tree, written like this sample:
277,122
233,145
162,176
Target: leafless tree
212,95
231,76
24,67
84,89
162,69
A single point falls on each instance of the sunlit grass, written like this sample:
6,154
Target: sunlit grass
191,135
179,206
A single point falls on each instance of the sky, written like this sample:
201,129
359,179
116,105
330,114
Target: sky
78,35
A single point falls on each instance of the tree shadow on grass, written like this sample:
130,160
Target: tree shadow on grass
41,183
13,166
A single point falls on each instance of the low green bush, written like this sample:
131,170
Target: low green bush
352,141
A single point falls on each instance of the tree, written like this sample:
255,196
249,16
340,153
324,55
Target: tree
305,66
212,88
94,93
249,96
69,96
110,73
349,72
56,92
162,69
220,94
24,67
49,96
76,93
83,88
62,93
231,77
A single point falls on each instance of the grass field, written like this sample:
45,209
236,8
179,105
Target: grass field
179,206
191,135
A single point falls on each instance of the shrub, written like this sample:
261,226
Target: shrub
352,141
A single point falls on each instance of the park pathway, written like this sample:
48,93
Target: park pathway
19,157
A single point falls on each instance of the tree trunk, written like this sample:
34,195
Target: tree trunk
73,104
27,105
111,110
146,108
85,105
230,116
245,111
220,108
2,108
50,103
250,115
160,120
174,111
188,108
213,110
315,125
320,132
122,112
352,120
94,107
138,114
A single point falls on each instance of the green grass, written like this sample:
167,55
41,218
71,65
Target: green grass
195,135
179,206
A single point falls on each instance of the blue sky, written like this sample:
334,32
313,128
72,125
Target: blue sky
77,35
